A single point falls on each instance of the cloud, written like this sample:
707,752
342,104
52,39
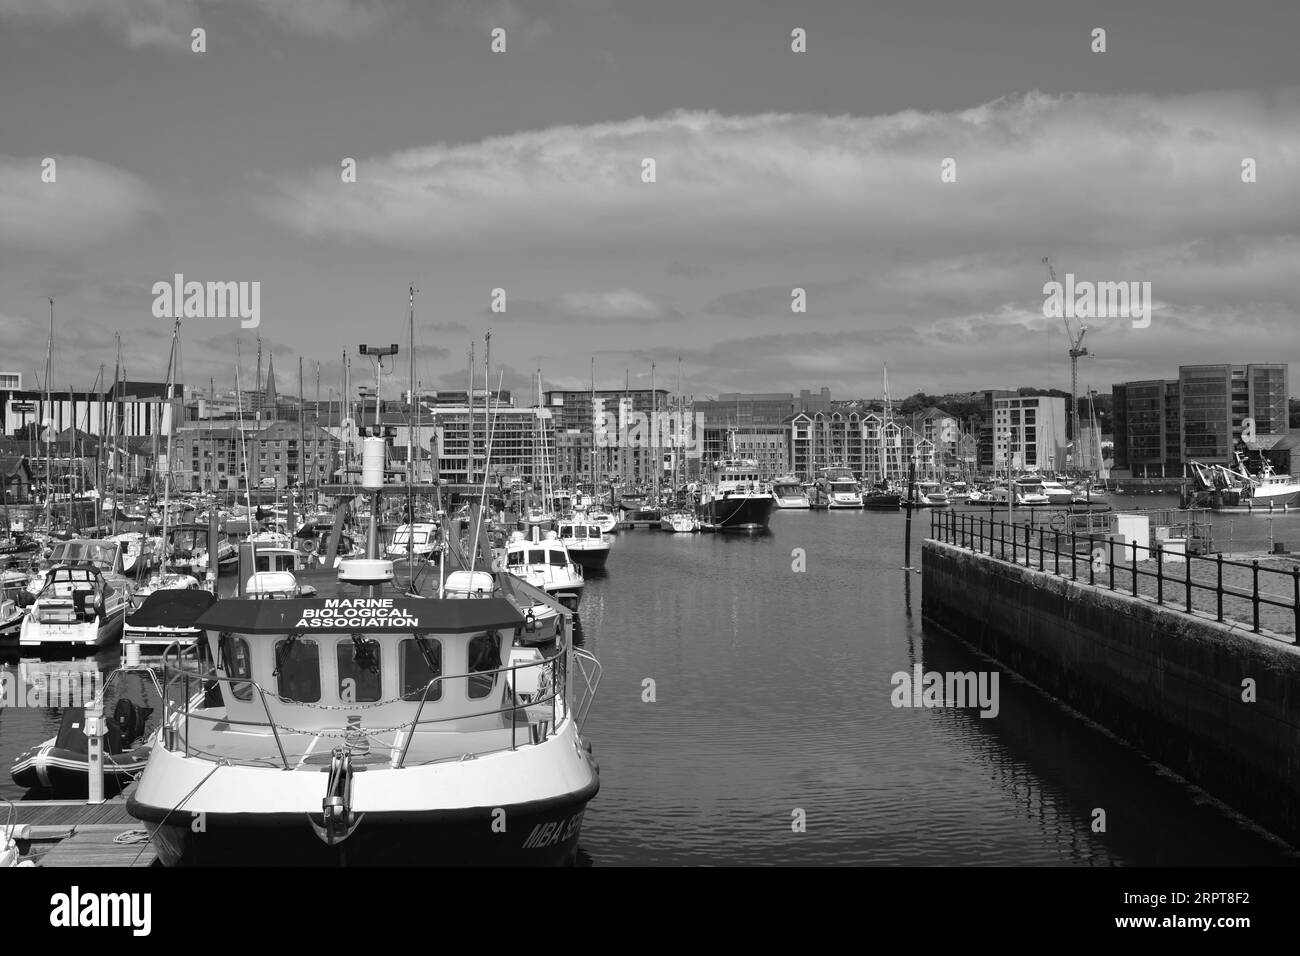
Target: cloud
1031,170
88,202
167,23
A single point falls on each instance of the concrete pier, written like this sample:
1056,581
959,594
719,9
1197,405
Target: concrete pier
1175,685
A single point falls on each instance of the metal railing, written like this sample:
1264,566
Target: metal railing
554,671
1118,565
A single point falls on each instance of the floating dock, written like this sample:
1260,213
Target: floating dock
79,834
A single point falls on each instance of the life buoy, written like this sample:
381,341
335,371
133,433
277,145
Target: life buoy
1058,521
307,545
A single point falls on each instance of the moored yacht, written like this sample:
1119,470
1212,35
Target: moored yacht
789,492
679,522
76,604
584,542
419,540
543,561
842,489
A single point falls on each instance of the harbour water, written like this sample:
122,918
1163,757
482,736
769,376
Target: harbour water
772,704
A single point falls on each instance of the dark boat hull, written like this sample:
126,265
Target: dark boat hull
882,502
590,560
541,833
739,513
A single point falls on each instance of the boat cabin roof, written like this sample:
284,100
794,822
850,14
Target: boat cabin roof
350,615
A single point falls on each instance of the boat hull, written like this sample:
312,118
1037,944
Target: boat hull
88,634
739,513
589,559
538,833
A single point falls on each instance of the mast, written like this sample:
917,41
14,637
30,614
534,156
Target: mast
49,404
595,458
487,401
469,471
117,433
167,482
657,464
410,448
345,410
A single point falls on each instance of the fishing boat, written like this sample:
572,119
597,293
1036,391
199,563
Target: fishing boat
75,604
734,497
543,561
585,543
363,729
789,492
1238,489
680,522
132,704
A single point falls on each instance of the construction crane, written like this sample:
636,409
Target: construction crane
1076,350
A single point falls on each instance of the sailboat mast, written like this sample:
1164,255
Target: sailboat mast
167,484
410,409
49,404
657,464
117,432
469,470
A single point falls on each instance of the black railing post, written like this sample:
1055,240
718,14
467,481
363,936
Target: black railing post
1057,546
1002,539
1160,574
1135,568
1111,544
981,517
1040,549
1029,557
1295,600
1254,590
1187,567
1219,587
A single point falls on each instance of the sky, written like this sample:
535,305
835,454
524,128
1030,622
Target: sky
522,170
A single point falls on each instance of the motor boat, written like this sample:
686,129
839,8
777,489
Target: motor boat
606,522
585,543
1057,493
368,729
419,540
842,489
789,492
734,497
76,604
1030,494
930,494
544,562
187,549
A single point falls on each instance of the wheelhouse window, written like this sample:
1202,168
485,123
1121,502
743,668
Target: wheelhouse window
536,556
236,663
419,665
557,557
359,671
297,670
484,660
515,557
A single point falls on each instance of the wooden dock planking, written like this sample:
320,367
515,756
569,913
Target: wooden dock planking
74,833
97,848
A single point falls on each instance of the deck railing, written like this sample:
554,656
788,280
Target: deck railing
1184,581
186,687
